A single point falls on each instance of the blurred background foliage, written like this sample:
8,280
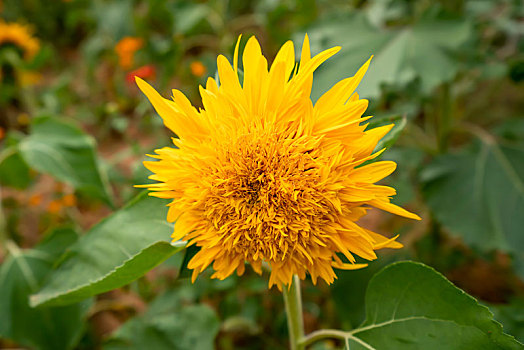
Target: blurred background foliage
74,131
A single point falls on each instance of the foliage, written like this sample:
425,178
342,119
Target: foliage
86,259
420,308
168,324
65,152
112,254
490,179
22,274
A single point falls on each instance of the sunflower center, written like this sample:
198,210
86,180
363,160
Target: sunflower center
266,198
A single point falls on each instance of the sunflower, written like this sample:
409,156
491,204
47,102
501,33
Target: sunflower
260,174
20,36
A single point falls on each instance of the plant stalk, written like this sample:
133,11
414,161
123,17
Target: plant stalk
295,320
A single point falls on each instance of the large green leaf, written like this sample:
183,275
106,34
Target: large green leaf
478,194
67,153
352,310
170,324
400,55
52,328
411,306
118,250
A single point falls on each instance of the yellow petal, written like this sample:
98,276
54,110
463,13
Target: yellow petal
392,208
235,55
384,242
341,91
305,55
286,54
346,266
173,117
373,172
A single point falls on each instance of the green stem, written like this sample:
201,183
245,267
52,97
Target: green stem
323,334
295,320
3,228
333,334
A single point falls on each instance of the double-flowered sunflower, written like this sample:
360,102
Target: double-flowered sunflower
261,174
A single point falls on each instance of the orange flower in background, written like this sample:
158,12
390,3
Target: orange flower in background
20,36
54,207
2,133
262,174
197,68
35,200
69,200
144,72
126,48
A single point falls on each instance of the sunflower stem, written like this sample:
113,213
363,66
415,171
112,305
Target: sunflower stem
295,320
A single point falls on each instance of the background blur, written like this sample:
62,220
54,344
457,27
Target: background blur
448,73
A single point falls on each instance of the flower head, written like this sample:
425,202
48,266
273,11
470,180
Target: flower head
261,174
125,49
19,35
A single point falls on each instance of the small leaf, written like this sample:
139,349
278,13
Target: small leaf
65,152
115,252
411,306
190,252
20,275
168,324
392,136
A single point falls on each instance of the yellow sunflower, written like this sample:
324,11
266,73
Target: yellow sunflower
20,36
263,175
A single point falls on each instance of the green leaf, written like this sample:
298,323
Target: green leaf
115,252
113,19
188,17
478,195
352,310
400,55
411,306
65,152
392,136
168,324
512,317
14,171
189,253
20,275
